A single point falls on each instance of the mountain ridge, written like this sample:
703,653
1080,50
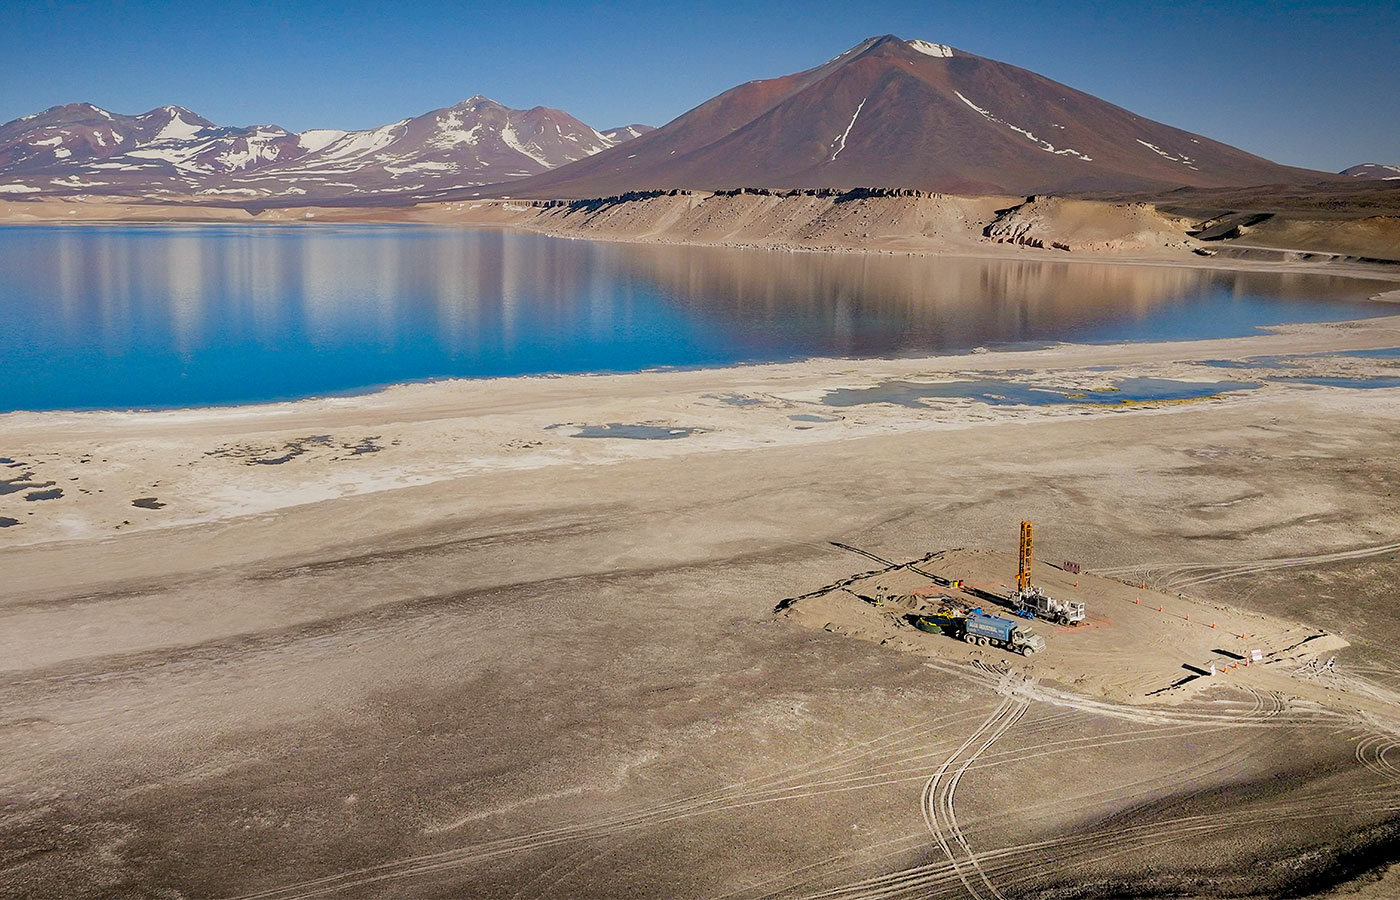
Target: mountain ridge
1373,170
171,152
888,113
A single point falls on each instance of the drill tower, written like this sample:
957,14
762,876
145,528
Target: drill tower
1023,571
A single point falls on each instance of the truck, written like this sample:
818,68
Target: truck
1032,602
983,630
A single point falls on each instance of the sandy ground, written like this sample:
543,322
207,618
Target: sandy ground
431,642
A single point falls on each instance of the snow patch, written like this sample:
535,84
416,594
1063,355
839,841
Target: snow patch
1044,145
451,133
426,166
233,160
1185,160
512,141
169,154
49,142
361,143
18,189
845,134
177,128
74,181
318,138
247,191
942,51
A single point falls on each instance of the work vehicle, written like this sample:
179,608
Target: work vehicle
983,630
1030,601
1035,603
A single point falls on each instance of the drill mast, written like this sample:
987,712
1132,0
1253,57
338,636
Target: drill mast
1023,571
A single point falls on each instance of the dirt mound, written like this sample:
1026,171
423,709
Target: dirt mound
1138,645
1376,237
1063,224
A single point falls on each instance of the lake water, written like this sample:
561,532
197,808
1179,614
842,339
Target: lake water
163,316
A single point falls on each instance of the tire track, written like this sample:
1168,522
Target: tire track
928,802
717,800
940,814
832,774
669,814
1176,576
1009,866
1263,706
949,811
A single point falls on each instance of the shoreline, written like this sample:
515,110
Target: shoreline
936,359
937,225
208,464
1341,266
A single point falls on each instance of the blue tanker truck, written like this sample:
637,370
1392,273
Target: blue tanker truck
976,627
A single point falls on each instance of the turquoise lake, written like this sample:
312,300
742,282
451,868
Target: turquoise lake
175,316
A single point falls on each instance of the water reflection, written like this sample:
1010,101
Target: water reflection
878,305
170,316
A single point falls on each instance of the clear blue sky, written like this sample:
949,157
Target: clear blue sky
1305,84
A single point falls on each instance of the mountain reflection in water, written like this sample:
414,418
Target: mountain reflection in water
138,316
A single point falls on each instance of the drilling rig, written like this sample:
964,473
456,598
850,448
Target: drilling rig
1023,568
1029,600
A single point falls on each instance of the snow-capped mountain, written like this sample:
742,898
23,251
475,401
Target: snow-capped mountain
624,133
912,114
1374,170
173,153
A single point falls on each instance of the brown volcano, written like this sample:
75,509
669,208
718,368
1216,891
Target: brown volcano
895,113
